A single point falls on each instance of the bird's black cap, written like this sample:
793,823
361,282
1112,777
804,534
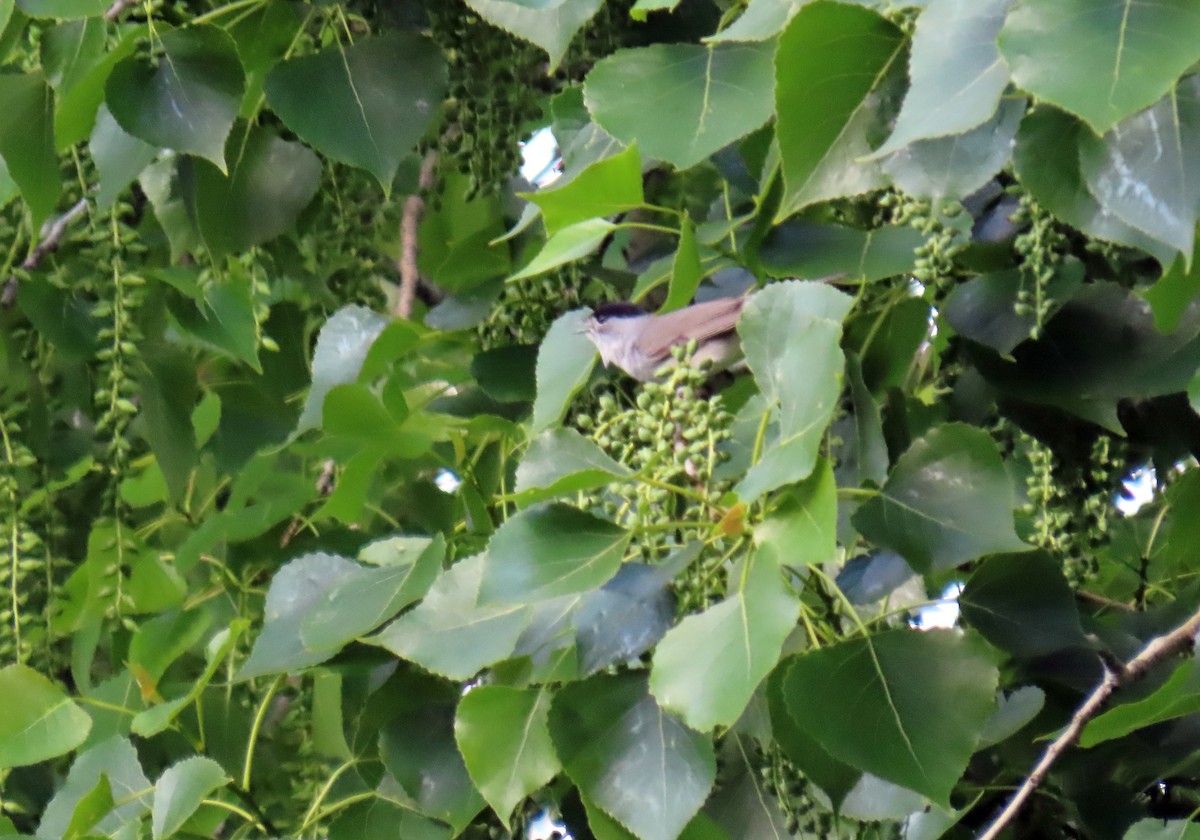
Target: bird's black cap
620,309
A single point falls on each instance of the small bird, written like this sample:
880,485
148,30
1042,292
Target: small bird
640,343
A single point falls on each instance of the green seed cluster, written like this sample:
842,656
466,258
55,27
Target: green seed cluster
23,589
670,437
934,268
804,816
1071,505
117,391
492,94
1041,248
345,240
603,35
525,310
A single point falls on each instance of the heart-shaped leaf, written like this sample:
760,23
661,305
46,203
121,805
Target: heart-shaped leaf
186,98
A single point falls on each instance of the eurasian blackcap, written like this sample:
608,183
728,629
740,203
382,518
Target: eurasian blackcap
640,343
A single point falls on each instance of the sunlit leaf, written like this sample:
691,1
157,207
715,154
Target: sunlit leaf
39,720
708,665
550,550
1125,53
956,72
832,75
705,97
180,790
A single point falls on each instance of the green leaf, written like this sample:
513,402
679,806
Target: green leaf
1046,159
37,719
91,808
550,25
161,183
270,181
567,245
708,666
448,634
801,528
565,360
120,157
984,309
366,104
504,739
948,500
956,72
353,411
1143,172
366,598
1013,711
742,804
418,749
686,270
342,346
1171,295
550,550
379,819
761,20
652,785
1022,603
562,461
833,70
159,642
704,97
169,392
790,333
155,719
957,165
604,188
1124,55
1178,696
116,759
804,249
835,778
86,65
628,615
180,790
296,591
868,456
63,9
187,99
27,141
924,697
1156,829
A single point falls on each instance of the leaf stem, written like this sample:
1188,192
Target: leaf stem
256,728
220,11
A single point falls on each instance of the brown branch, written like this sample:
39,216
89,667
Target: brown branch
51,233
414,205
1157,650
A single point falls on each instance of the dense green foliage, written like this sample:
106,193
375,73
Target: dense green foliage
281,557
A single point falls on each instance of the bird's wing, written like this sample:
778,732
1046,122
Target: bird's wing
699,321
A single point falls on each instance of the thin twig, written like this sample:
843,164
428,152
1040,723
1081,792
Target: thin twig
51,235
1157,650
414,205
118,6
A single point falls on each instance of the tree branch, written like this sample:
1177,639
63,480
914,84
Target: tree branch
1157,650
51,235
414,205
